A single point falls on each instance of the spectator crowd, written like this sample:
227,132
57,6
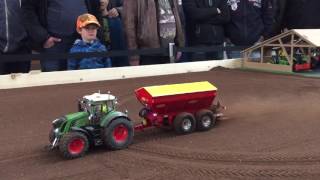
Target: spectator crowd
71,26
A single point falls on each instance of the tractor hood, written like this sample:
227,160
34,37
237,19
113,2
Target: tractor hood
77,115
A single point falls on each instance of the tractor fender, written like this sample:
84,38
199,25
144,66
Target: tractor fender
81,130
111,116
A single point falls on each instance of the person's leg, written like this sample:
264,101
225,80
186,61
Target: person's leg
2,68
16,67
117,42
20,66
148,60
233,54
214,55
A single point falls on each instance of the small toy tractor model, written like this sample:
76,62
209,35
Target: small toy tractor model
97,123
182,107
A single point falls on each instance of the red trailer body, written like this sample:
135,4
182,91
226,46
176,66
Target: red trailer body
163,103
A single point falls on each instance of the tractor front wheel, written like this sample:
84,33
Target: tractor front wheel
51,135
118,134
73,145
184,123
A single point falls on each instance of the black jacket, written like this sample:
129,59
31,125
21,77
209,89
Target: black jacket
12,32
204,24
302,14
35,19
278,13
250,19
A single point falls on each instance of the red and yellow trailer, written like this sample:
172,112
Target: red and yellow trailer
184,107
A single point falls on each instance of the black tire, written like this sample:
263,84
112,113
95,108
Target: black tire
205,120
51,135
66,146
184,123
125,138
143,112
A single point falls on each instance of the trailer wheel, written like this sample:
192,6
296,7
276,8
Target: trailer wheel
119,134
73,145
184,123
205,120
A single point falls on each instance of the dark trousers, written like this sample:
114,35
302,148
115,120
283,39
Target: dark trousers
16,67
64,46
148,60
204,56
118,42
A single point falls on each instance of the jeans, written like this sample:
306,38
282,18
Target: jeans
205,56
118,41
154,59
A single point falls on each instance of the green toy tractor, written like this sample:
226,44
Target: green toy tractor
97,123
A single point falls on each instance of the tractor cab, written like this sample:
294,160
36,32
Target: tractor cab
97,105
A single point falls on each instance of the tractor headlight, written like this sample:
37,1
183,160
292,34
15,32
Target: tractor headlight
58,122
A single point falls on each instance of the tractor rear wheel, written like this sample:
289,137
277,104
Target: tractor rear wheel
184,123
118,134
73,145
205,120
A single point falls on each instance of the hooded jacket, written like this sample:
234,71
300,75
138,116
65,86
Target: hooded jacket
250,19
81,46
12,32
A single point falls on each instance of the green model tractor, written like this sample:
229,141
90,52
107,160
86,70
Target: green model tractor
96,123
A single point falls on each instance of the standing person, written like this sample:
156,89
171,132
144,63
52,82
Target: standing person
251,22
206,20
302,14
113,33
50,24
152,24
87,27
13,37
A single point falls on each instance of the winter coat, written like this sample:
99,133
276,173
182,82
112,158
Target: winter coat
35,19
205,24
278,13
12,32
302,14
250,19
141,24
88,63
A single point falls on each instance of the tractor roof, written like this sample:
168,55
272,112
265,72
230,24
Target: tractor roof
97,97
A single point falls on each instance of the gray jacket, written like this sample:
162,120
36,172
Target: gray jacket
12,32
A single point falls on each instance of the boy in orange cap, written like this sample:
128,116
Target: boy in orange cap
87,27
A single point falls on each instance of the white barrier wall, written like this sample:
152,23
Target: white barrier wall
36,78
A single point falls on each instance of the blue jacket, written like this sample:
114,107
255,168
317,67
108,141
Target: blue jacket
88,63
250,19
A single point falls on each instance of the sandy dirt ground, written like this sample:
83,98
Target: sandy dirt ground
270,131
